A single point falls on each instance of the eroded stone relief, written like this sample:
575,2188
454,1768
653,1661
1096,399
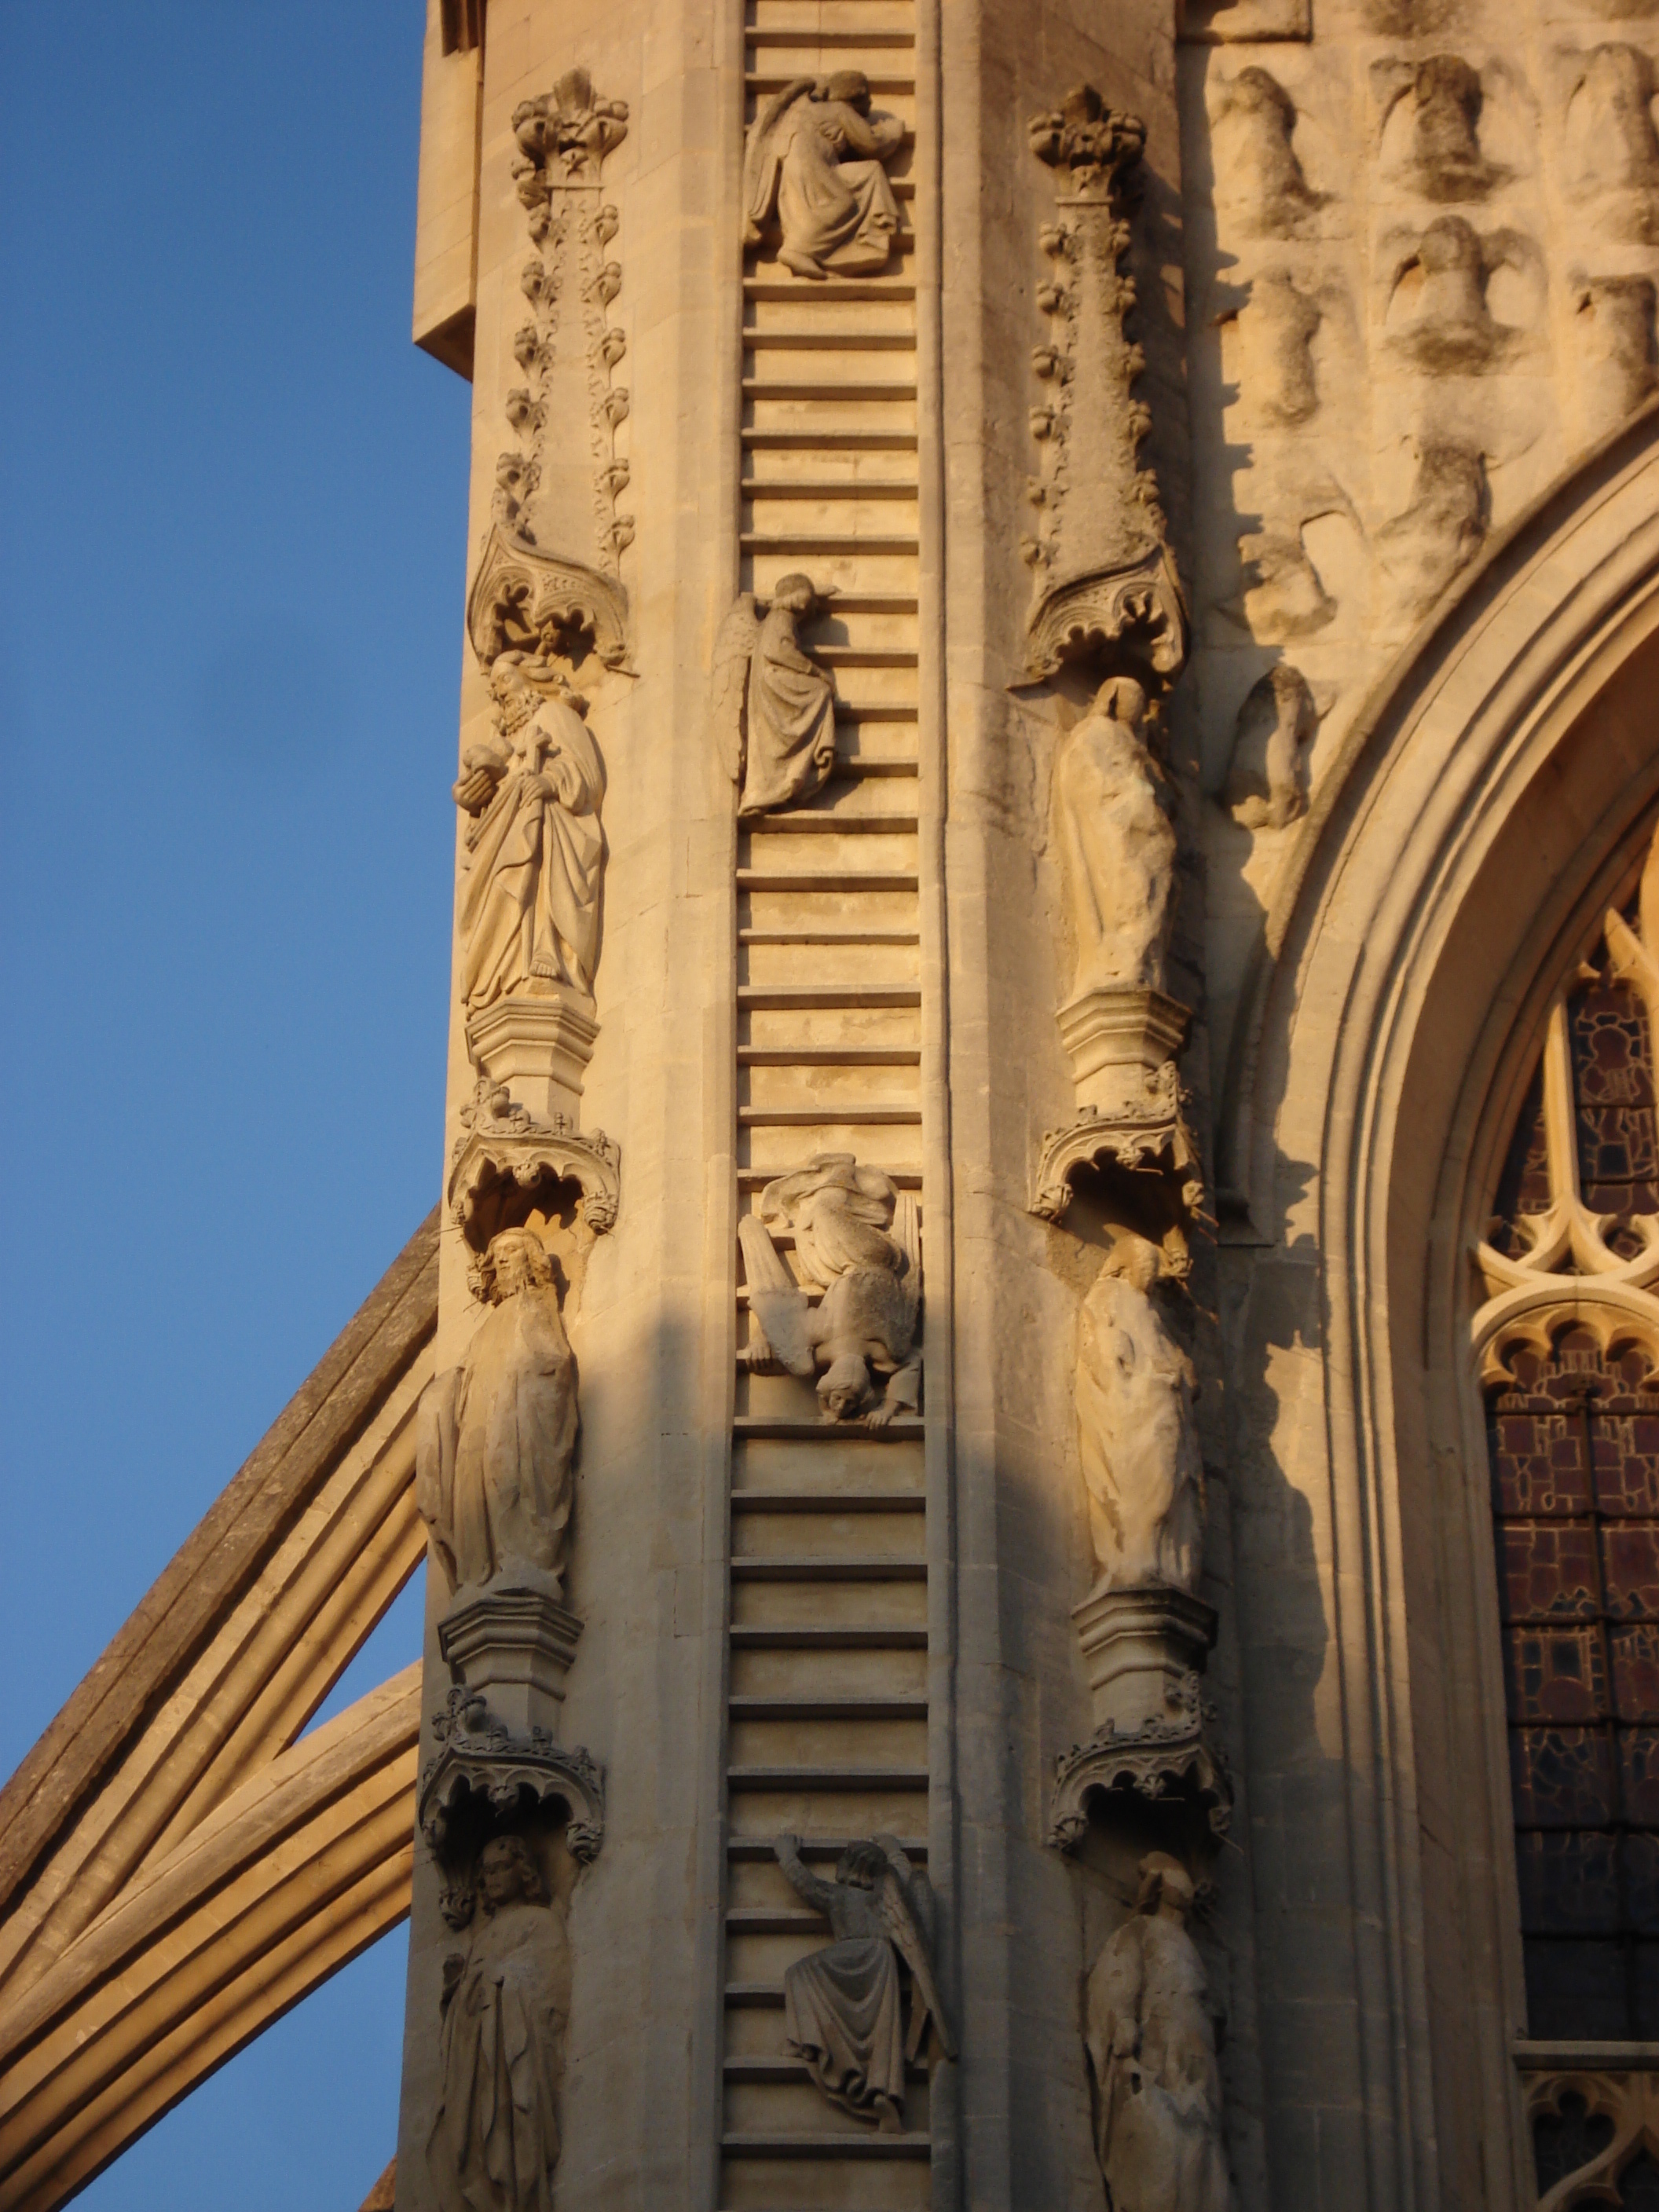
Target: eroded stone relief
843,2006
856,1236
1439,99
1259,174
773,705
815,170
1152,2035
1267,779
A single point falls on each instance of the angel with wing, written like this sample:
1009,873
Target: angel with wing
858,1235
842,2011
775,706
818,160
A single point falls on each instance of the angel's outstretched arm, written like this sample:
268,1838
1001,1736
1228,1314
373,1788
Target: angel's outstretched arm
816,1891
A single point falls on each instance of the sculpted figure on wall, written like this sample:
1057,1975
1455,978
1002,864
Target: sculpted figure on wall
858,1235
1267,781
495,2138
774,706
535,844
1259,176
1136,1435
1116,843
843,2013
1151,2039
496,1436
817,159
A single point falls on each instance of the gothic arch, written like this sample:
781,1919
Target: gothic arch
1495,792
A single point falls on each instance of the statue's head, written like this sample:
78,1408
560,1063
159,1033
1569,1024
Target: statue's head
844,1386
1165,1883
510,688
1121,699
860,1865
515,1261
851,87
1137,1261
507,1872
797,592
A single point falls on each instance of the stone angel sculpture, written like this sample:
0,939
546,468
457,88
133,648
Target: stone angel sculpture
774,706
1152,2036
1136,1435
817,159
842,2012
535,847
496,1437
858,1235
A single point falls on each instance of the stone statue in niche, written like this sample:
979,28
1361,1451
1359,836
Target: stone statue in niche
496,1436
1151,2038
818,160
1259,177
1267,782
1116,842
842,2009
1136,1435
535,844
1440,531
773,705
858,1235
494,2139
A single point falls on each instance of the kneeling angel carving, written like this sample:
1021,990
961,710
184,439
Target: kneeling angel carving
856,1233
495,1437
530,889
1151,2038
842,2013
1136,1435
818,159
495,2138
775,707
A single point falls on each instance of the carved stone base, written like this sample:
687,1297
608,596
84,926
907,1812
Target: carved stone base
1123,1044
539,1044
513,1647
1143,1651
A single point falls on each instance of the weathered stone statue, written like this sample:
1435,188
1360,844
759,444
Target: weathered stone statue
775,707
842,2011
1151,2039
1136,1433
530,889
1117,845
496,1435
817,158
495,2138
858,1234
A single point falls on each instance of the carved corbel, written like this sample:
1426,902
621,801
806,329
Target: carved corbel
526,601
503,1148
1165,1761
479,1759
1103,578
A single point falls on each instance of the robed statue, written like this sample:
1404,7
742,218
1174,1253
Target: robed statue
495,1437
857,1235
534,844
817,159
1116,843
774,706
1152,2037
842,2006
1136,1435
494,2139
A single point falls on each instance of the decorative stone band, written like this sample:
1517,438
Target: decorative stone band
1140,606
1165,1759
479,1757
1629,2100
503,1144
520,596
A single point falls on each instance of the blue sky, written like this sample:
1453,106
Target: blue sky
230,631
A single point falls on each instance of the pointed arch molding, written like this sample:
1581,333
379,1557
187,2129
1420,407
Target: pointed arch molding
179,1864
1496,786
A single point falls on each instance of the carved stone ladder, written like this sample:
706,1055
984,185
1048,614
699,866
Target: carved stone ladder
828,1624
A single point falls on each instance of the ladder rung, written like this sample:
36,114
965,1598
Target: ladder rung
831,441
820,822
829,1501
871,488
827,879
803,997
832,1778
829,1055
829,1709
749,1850
773,388
828,1117
761,1567
829,339
828,937
875,2145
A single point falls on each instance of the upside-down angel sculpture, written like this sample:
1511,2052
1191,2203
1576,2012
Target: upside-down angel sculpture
842,2012
817,157
857,1234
